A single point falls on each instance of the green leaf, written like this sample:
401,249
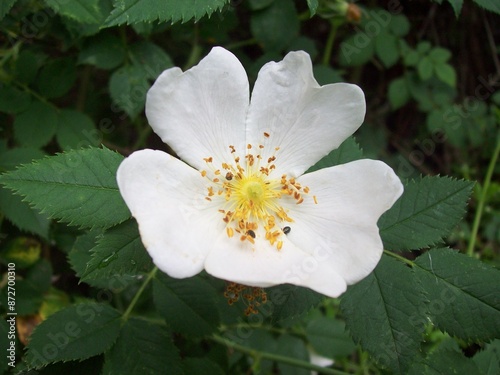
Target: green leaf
150,58
259,340
5,7
329,338
119,251
133,11
313,6
357,49
12,158
153,345
448,121
326,74
13,100
457,6
188,305
77,187
439,55
462,293
28,64
104,51
201,366
399,94
276,26
386,47
424,47
80,255
399,25
22,215
76,130
127,87
491,5
425,213
83,11
36,126
259,4
446,73
57,77
383,313
79,30
15,210
348,151
294,347
488,360
78,332
447,361
289,301
411,58
424,68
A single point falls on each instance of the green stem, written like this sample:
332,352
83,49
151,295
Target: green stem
482,198
83,89
329,43
275,357
400,258
138,294
35,94
262,327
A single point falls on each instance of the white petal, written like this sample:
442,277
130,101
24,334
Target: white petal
166,197
263,265
341,230
202,111
305,120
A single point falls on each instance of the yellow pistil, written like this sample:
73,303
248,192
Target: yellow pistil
250,197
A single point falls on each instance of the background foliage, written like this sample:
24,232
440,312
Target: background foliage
73,78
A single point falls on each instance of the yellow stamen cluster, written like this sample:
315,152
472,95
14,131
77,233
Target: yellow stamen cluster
251,196
253,297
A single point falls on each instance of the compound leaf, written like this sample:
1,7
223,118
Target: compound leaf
462,293
78,187
119,251
425,213
157,351
383,314
187,305
77,332
348,151
134,11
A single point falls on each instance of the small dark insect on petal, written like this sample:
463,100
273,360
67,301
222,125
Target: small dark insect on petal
251,233
287,230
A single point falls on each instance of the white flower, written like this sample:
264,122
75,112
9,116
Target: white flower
239,204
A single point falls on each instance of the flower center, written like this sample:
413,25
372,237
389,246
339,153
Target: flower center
253,190
250,199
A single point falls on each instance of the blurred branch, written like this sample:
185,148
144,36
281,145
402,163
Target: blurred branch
482,199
